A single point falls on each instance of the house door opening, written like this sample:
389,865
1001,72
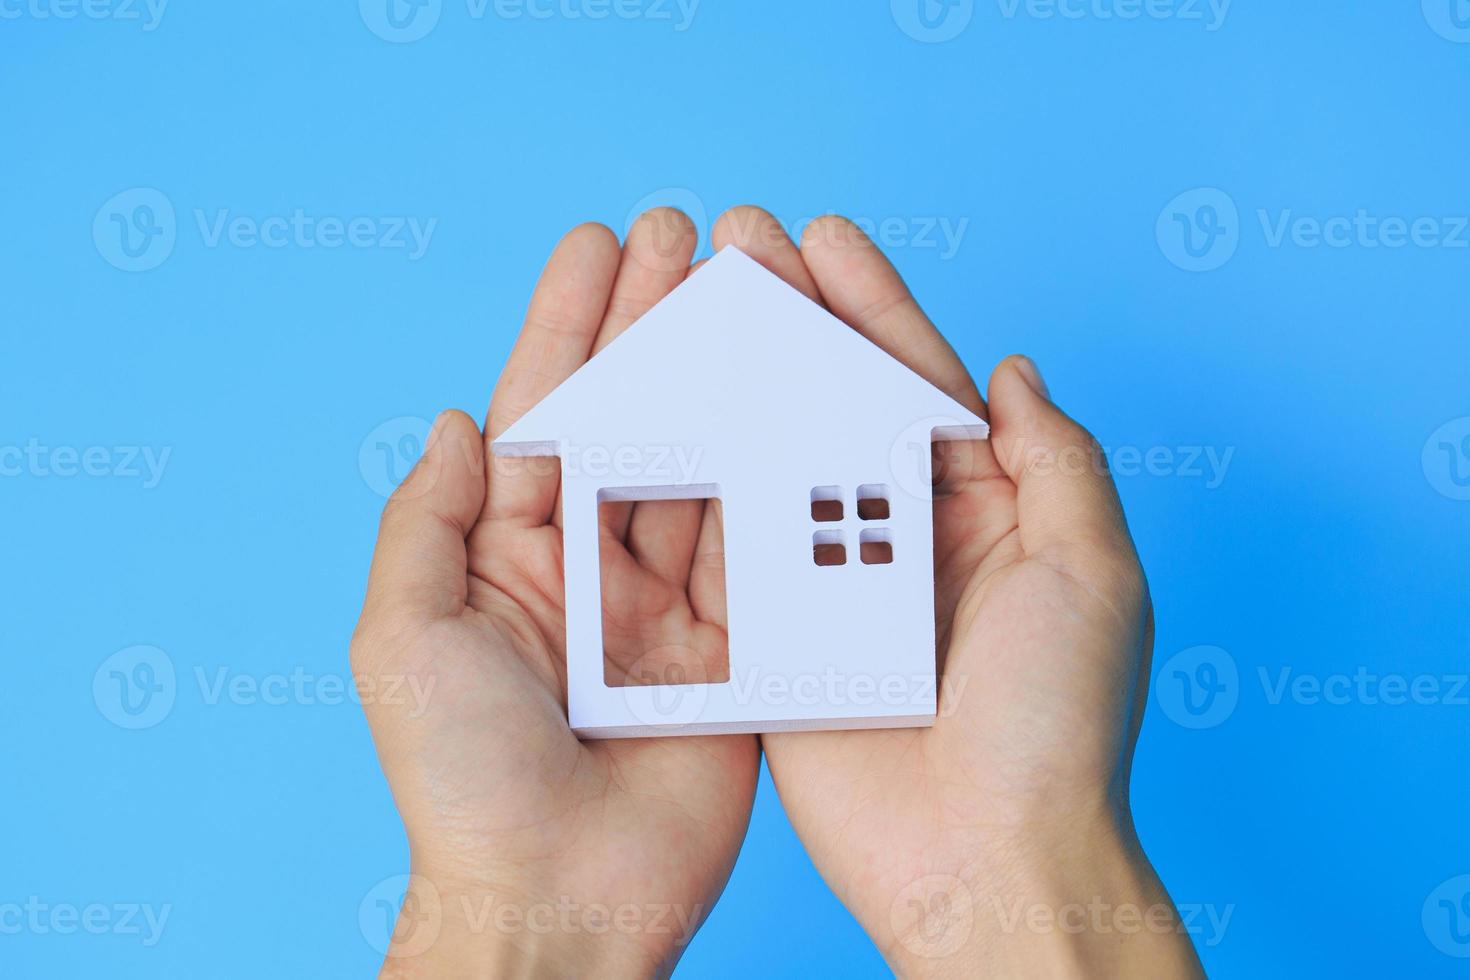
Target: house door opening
662,577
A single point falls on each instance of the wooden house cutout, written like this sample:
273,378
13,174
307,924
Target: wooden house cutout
817,444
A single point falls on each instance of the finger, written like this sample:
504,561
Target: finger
1066,504
662,535
761,236
707,571
418,570
655,259
565,314
619,514
861,287
616,515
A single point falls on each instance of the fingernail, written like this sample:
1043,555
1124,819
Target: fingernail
1032,374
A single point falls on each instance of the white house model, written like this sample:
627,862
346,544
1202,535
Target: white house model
817,444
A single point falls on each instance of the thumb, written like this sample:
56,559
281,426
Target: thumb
1066,504
418,571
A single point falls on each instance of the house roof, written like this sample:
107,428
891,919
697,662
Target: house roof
734,349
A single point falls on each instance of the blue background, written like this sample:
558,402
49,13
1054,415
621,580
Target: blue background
1333,542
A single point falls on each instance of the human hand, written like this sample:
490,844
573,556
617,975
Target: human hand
944,841
527,844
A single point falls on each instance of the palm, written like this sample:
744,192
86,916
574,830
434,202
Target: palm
681,803
1010,749
512,795
1039,650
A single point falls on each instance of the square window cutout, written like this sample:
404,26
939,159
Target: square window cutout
828,548
875,546
826,504
872,502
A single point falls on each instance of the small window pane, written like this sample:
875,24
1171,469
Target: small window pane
872,502
826,504
828,548
875,546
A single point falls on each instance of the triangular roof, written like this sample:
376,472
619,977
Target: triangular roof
733,339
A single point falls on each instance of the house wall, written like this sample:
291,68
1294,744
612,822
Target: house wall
849,645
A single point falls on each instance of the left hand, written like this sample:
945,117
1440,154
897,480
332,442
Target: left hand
607,854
